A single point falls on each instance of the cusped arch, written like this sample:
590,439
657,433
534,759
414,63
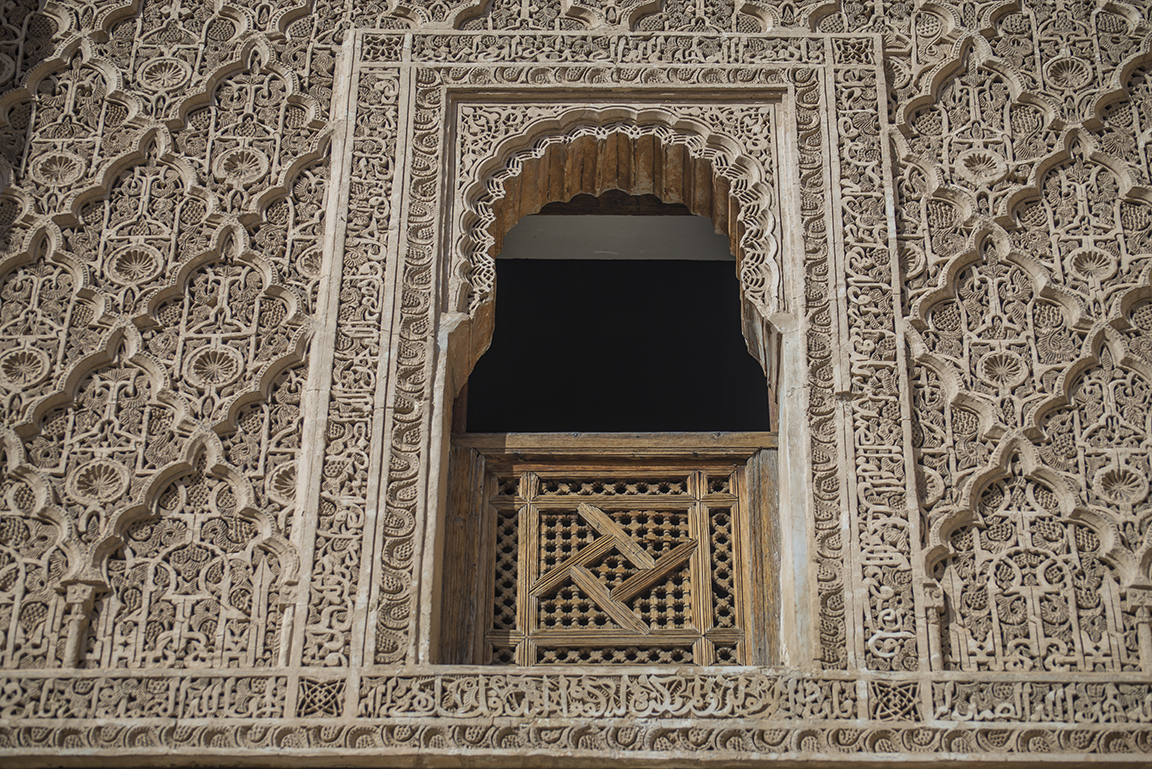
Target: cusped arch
1098,425
124,386
1015,456
202,454
637,151
940,318
968,49
1020,545
230,358
974,175
48,319
210,564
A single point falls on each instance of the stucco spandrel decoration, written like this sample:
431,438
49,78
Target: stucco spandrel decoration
176,230
1041,227
156,263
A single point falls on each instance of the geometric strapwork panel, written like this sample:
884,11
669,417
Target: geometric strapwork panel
595,568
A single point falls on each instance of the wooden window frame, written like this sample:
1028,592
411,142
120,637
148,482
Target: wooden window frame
467,586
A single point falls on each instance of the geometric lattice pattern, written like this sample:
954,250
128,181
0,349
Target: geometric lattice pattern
606,568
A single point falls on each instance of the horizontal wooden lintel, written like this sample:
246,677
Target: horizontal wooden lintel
613,637
719,445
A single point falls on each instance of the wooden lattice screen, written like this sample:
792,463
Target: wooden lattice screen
659,554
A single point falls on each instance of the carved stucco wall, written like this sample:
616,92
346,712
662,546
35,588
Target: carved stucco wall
232,232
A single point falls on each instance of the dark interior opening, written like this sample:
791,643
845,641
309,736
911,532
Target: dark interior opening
616,346
614,203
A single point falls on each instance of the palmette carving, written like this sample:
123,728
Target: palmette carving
64,125
1100,437
1103,250
25,41
256,129
519,15
122,425
1069,51
151,219
220,331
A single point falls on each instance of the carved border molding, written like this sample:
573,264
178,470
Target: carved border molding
737,715
767,694
440,70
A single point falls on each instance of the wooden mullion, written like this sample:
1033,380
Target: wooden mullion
529,486
487,544
529,552
743,572
526,652
463,616
757,541
701,569
703,651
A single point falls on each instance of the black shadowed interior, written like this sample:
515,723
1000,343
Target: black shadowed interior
617,346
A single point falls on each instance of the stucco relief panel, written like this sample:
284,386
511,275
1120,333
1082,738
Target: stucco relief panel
454,86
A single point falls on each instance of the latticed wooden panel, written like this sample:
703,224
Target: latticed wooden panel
629,567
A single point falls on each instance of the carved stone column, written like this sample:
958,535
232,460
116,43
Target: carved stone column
79,598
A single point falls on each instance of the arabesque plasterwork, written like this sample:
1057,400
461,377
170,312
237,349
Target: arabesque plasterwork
232,238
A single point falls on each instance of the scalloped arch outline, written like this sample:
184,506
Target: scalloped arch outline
758,262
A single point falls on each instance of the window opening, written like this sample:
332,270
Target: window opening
564,552
615,346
